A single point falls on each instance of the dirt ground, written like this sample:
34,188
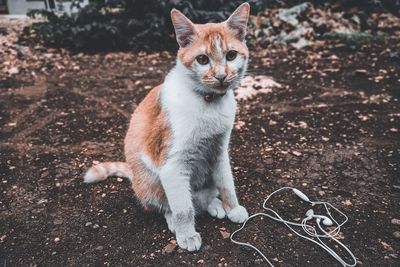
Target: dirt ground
331,130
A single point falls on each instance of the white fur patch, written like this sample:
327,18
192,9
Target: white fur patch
218,46
149,164
187,113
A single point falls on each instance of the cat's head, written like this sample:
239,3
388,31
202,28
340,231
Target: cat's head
215,54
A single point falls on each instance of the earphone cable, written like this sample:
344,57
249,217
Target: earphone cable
308,229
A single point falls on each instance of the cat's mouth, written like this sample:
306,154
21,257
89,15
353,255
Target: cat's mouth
219,87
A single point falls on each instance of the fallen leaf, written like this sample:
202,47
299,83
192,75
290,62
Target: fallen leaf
225,234
385,245
347,203
13,70
169,248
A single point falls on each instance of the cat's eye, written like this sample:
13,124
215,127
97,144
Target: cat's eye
202,59
231,55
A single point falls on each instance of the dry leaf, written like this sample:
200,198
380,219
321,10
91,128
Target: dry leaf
385,245
169,248
225,234
347,203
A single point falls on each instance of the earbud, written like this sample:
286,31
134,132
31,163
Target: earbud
310,213
300,194
326,221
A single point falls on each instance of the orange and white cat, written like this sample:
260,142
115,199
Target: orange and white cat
176,147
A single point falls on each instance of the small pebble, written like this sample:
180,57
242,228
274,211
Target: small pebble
57,221
395,221
296,153
396,234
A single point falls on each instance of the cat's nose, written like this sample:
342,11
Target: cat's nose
221,78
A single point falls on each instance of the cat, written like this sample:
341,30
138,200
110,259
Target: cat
176,147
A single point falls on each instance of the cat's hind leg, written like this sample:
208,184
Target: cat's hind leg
207,200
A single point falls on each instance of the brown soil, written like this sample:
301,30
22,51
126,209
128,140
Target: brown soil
332,130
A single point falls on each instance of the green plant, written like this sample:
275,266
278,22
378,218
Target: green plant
126,24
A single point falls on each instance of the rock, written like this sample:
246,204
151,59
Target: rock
361,71
41,201
396,221
290,15
251,86
296,153
13,70
57,221
396,234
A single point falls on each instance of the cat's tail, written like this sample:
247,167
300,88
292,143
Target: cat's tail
101,171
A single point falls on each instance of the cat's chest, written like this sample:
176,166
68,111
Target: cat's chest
206,119
199,138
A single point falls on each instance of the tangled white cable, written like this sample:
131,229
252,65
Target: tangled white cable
310,230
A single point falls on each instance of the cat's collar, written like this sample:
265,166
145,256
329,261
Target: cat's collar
210,97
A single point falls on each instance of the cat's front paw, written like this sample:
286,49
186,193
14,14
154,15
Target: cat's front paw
216,209
238,214
191,242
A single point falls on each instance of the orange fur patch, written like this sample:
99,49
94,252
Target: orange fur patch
226,199
148,134
148,190
156,133
205,42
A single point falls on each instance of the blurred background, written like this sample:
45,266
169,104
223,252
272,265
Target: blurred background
318,110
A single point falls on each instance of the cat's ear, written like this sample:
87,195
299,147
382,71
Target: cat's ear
184,28
238,21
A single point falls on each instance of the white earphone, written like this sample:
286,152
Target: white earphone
310,230
326,221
